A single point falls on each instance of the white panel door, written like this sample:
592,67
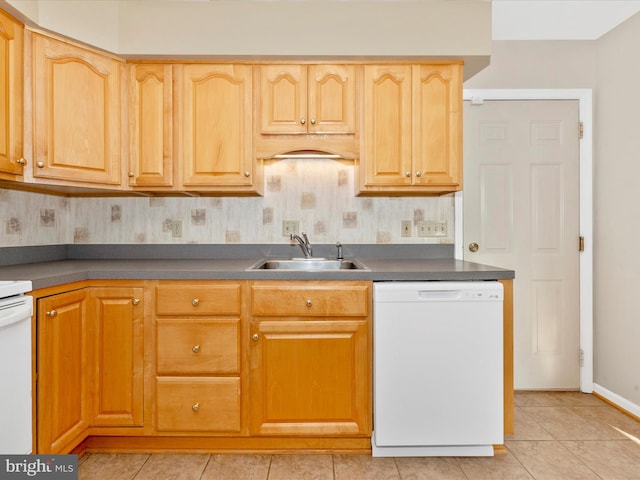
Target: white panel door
521,208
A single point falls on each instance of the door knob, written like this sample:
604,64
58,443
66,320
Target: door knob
473,247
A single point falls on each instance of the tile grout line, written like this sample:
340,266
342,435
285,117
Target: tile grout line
205,466
141,467
578,458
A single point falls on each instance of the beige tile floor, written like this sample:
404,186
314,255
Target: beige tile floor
558,436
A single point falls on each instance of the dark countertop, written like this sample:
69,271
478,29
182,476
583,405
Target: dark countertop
52,273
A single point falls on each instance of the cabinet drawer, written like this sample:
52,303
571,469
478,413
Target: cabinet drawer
339,300
182,299
198,346
198,404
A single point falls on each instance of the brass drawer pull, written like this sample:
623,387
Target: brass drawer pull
195,302
52,313
309,303
195,407
136,301
196,349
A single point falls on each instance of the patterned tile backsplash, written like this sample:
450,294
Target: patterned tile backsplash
318,194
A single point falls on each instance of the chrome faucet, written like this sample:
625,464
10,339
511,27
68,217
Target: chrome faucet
304,244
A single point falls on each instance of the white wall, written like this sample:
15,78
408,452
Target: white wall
617,221
327,28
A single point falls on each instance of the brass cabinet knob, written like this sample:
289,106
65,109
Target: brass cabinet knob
40,164
313,121
21,161
473,247
247,174
407,174
418,174
52,313
195,302
303,121
131,174
195,407
255,337
196,349
136,301
309,303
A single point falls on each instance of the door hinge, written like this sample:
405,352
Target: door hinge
581,244
581,357
581,130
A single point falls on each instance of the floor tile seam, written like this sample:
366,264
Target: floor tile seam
585,463
204,469
141,467
515,457
457,459
579,459
269,467
333,466
522,412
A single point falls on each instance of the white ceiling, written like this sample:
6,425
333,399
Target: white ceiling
558,19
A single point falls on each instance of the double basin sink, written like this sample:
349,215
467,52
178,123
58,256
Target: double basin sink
308,264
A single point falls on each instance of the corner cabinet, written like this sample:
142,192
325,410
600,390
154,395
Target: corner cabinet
412,136
310,358
76,115
90,357
11,97
215,128
63,411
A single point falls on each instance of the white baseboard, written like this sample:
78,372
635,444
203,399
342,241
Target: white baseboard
617,400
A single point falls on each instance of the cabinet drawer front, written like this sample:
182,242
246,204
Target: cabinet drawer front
194,346
198,404
178,299
310,301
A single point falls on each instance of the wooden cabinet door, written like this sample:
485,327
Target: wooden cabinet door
300,99
386,139
437,125
283,98
117,355
332,99
11,95
151,125
216,130
310,378
76,114
63,362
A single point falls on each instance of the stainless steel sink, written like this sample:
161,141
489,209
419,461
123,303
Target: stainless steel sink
307,264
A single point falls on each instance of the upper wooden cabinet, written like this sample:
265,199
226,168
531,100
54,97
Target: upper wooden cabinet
150,125
300,99
76,114
11,96
215,128
412,137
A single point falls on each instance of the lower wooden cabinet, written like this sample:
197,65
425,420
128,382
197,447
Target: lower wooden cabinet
310,356
201,404
198,385
117,356
63,412
90,364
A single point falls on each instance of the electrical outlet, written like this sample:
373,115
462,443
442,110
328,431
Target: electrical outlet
176,228
289,227
405,228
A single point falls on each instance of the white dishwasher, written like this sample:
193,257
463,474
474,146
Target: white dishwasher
437,368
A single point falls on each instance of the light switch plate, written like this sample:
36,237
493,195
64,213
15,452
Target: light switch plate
405,227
